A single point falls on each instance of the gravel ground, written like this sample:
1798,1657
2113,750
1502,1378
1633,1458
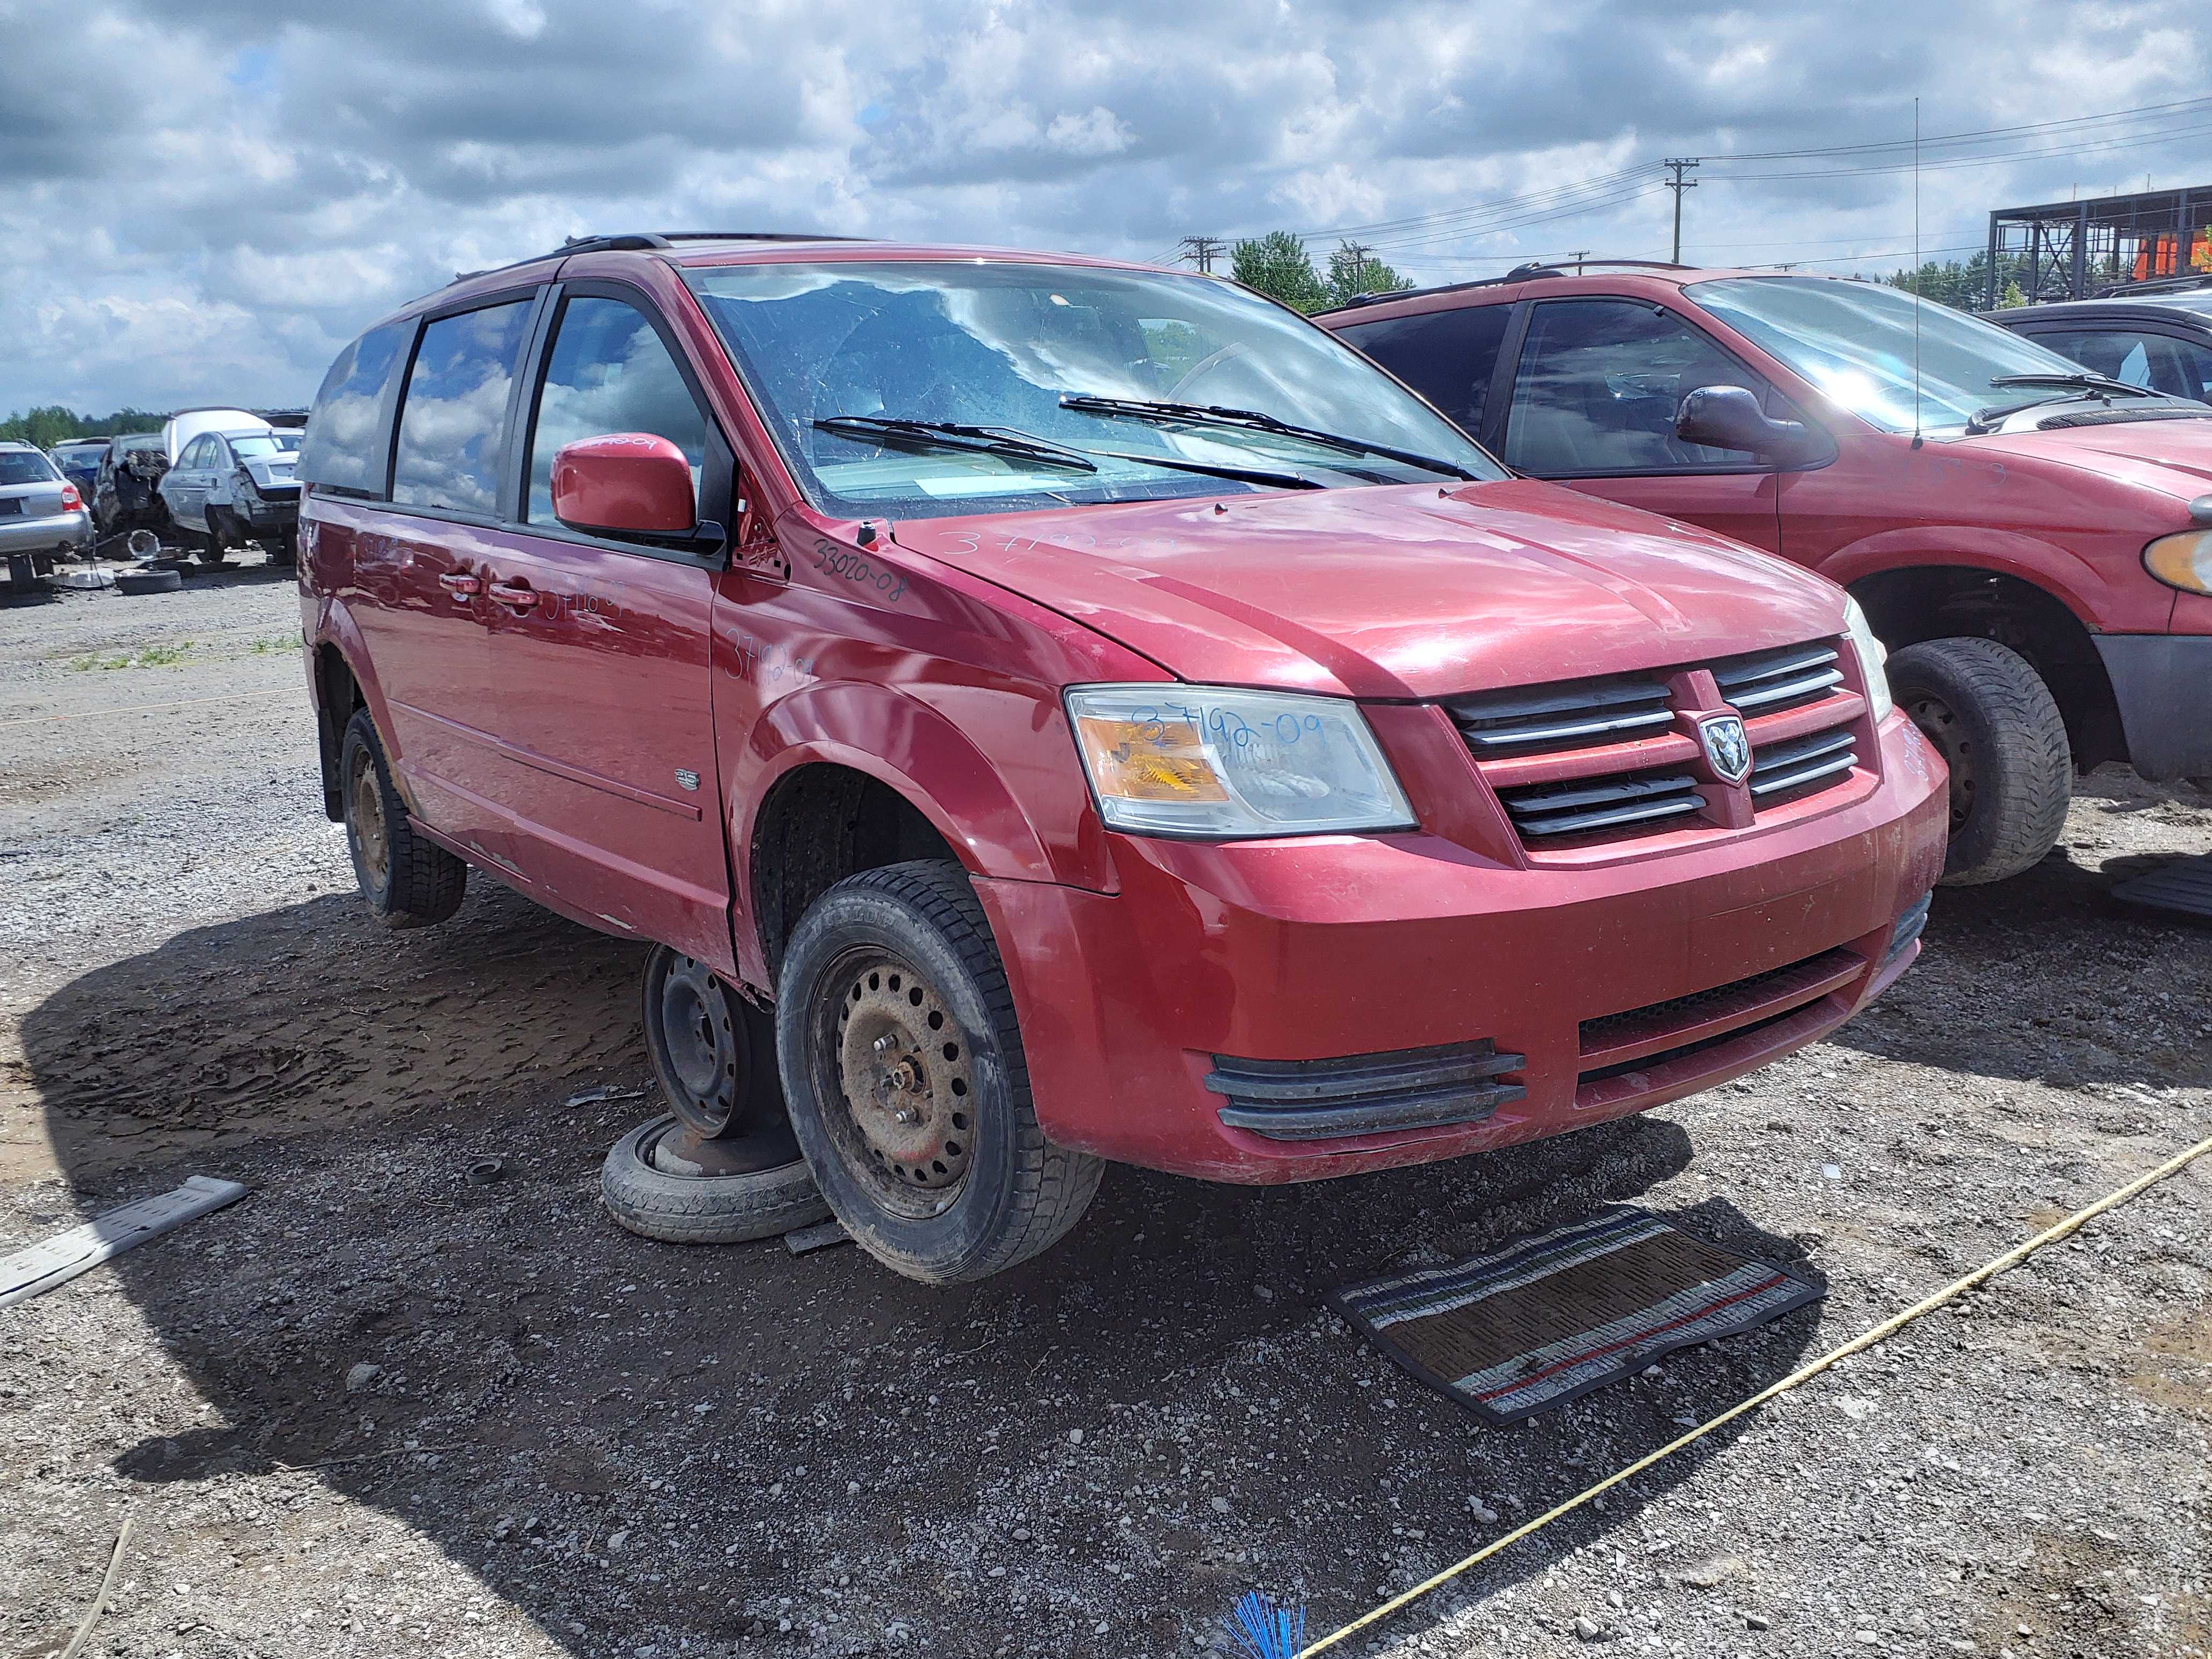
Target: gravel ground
375,1408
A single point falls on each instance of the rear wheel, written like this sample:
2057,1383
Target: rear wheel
1994,721
906,1084
409,882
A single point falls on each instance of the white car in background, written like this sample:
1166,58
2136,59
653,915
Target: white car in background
42,515
230,486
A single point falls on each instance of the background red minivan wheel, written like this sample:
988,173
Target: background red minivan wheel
408,881
1998,729
907,1088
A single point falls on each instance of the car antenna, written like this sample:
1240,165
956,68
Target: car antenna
1917,439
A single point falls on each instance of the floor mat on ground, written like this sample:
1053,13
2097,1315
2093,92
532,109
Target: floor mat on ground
1547,1318
2181,887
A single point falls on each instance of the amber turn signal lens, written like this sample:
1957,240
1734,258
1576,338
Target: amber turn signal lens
2183,560
1148,760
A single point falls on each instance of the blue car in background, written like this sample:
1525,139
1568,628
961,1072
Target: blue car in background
78,460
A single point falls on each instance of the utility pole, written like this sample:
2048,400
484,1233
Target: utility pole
1203,250
1579,256
1678,184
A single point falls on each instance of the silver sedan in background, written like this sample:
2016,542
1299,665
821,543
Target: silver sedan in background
42,514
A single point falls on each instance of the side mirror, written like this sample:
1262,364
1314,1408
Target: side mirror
628,483
1729,417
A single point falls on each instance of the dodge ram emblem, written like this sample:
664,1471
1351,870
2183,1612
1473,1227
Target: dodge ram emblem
1727,747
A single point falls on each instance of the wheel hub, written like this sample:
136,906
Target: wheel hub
368,825
903,1069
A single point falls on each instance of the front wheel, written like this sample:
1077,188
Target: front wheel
906,1084
408,881
1994,721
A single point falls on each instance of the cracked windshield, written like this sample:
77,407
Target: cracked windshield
932,390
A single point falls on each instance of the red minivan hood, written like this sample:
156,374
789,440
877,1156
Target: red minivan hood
2174,457
1400,591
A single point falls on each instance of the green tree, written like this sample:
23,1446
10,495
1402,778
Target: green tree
51,423
1352,271
1277,264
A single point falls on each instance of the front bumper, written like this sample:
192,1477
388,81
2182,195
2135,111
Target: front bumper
53,533
1162,1023
2163,684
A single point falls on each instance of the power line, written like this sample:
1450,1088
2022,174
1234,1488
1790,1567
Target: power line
1203,250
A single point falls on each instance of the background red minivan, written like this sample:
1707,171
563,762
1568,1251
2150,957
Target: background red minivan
2034,543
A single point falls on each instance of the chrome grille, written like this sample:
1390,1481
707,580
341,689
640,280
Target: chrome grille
1775,680
1779,766
1562,716
1608,803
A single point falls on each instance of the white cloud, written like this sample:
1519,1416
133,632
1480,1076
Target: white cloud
203,204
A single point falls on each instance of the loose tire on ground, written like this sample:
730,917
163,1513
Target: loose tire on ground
702,1209
906,1084
408,881
1997,727
148,581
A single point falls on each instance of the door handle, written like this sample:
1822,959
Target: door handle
461,588
518,595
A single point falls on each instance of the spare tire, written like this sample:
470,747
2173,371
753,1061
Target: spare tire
643,1195
148,581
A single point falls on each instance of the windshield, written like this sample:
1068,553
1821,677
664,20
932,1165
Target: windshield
1001,345
260,444
1854,341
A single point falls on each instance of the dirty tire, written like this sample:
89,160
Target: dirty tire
408,881
1017,1195
712,1053
1989,713
682,1209
148,581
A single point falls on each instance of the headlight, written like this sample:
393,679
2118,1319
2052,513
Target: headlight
1208,761
1872,654
2183,560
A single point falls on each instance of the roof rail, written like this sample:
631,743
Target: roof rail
643,242
1519,274
2155,285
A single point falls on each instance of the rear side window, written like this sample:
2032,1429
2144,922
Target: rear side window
609,372
344,447
1446,355
454,421
1598,386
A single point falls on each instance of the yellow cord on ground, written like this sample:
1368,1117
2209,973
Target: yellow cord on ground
152,708
1804,1374
100,1602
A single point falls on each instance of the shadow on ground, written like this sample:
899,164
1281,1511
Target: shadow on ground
634,1443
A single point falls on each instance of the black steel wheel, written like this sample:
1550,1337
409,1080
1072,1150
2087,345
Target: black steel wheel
713,1052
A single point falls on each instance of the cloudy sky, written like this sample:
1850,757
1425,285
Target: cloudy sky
201,202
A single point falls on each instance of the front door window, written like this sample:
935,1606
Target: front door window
1598,386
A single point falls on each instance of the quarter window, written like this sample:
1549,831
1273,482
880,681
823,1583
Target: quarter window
453,422
609,372
1598,386
346,446
1446,355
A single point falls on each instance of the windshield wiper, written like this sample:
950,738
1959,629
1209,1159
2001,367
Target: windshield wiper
1170,414
951,435
1016,445
2084,378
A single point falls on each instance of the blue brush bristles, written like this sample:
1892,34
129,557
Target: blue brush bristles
1265,1631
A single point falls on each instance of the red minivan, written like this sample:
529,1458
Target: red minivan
1044,710
2033,540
